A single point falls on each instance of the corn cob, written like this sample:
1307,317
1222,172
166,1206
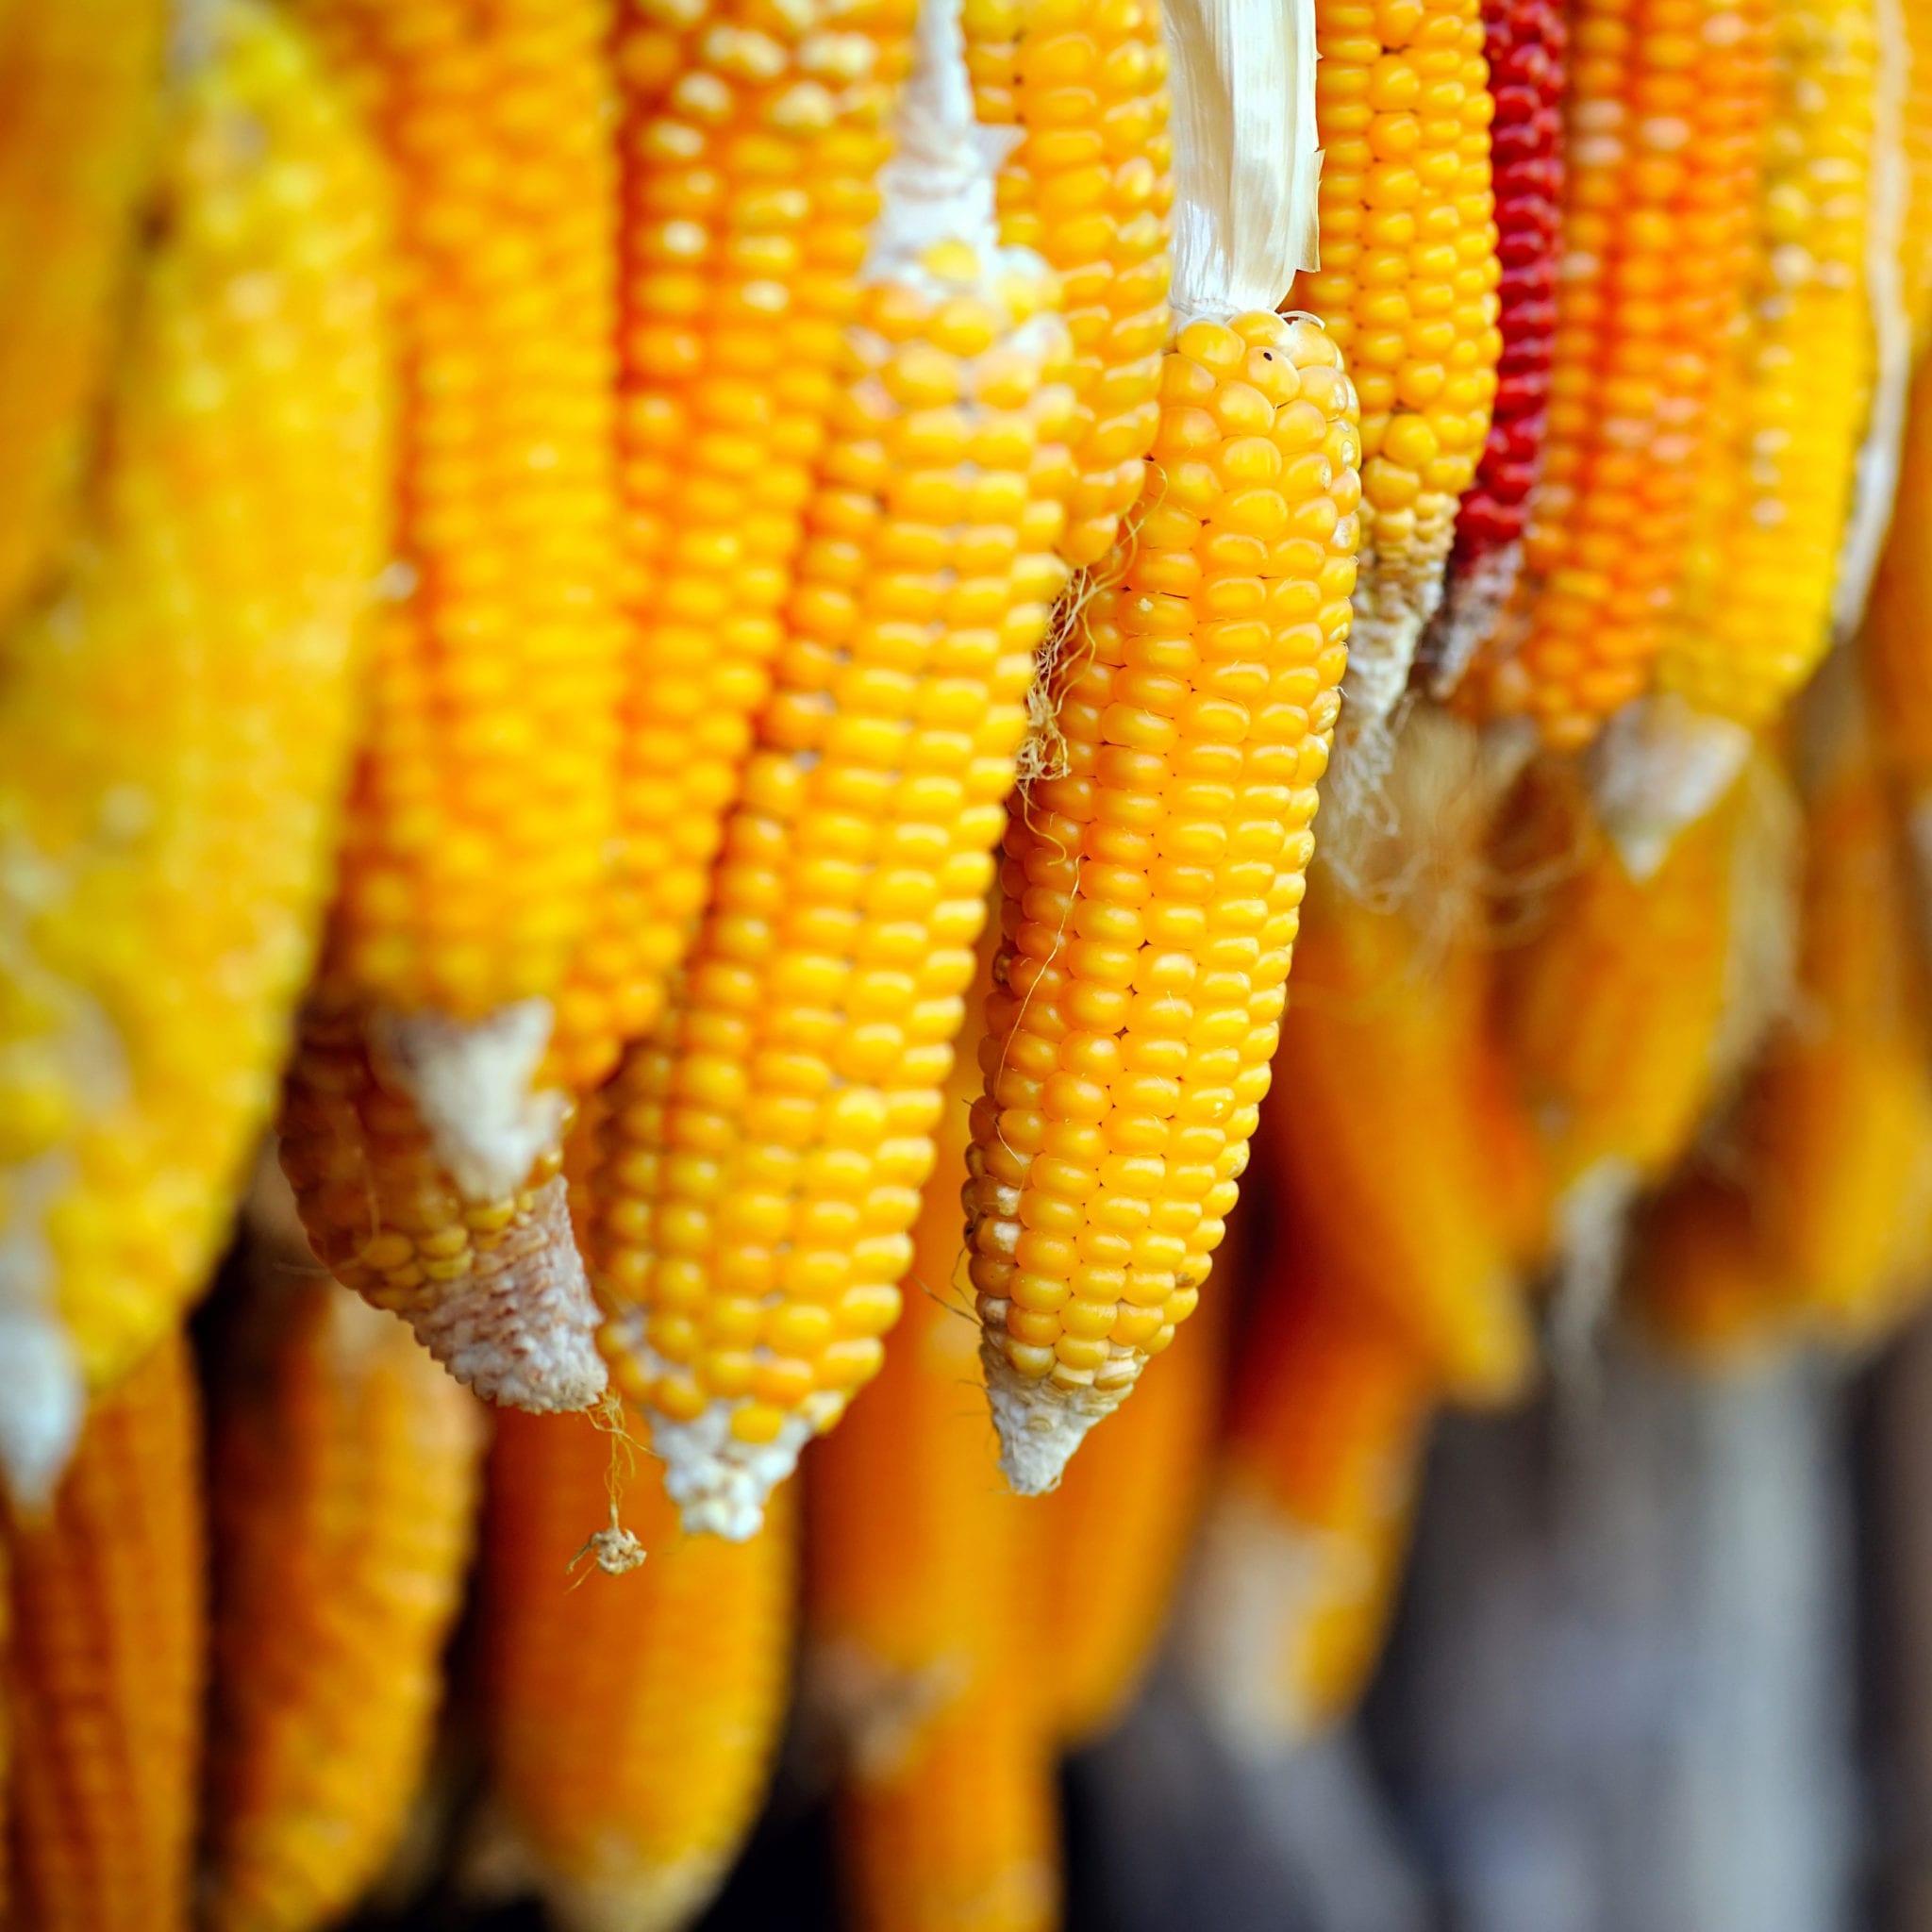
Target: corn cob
749,141
1302,1549
104,1681
485,795
631,1720
344,1481
1917,252
495,1289
1702,1286
1666,104
1525,42
78,85
174,725
766,1148
1740,651
1407,287
1109,1543
918,1577
1088,185
1385,1146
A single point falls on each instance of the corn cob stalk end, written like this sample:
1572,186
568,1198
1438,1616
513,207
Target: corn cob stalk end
1040,1424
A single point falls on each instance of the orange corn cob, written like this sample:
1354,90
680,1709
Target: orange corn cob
631,1719
1303,1546
1150,894
105,1674
749,141
486,793
1664,120
344,1483
1090,187
1701,1285
78,86
765,1148
174,722
1407,286
918,1580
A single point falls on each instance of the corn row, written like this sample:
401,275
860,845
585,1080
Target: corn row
174,724
1089,187
78,88
765,1149
1665,107
1765,619
1150,894
1408,288
345,1480
105,1674
631,1719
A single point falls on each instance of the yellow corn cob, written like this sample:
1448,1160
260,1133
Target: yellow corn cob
766,1147
749,139
1838,1122
1408,288
917,1565
495,1289
1150,894
1090,186
1918,145
1109,1541
1666,105
174,725
344,1483
1303,1546
1897,641
105,1676
1702,1286
486,793
1763,623
78,85
631,1719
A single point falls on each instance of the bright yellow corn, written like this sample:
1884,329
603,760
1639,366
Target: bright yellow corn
1090,187
345,1482
105,1674
749,139
765,1149
495,1289
1666,105
79,86
1763,621
1408,288
174,724
1150,894
1918,146
631,1719
1304,1538
486,791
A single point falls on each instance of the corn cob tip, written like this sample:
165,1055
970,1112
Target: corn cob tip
522,1330
720,1482
1471,609
1040,1423
1658,767
40,1417
472,1082
499,1864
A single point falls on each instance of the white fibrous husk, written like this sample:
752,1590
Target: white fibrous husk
1875,482
1247,164
1658,766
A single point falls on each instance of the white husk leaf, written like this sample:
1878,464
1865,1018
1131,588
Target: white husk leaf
1246,163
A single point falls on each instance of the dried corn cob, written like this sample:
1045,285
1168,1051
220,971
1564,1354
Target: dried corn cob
1666,105
104,1679
174,725
750,140
1741,650
765,1149
1088,185
1302,1550
494,1290
1407,287
486,788
78,85
1526,43
1151,875
345,1482
631,1720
